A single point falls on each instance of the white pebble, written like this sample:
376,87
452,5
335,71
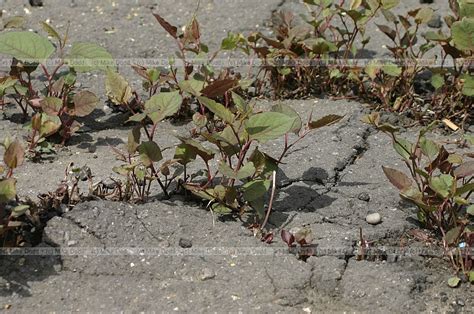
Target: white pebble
373,219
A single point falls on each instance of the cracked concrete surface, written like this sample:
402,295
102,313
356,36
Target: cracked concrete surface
146,266
109,252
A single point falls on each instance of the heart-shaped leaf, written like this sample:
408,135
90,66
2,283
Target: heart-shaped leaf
85,57
84,103
267,126
218,109
7,190
14,155
25,46
163,105
117,88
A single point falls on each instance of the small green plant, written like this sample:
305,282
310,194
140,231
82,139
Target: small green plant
440,184
238,173
454,85
11,213
392,83
303,59
56,102
191,74
321,57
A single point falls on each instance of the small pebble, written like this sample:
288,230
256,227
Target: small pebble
185,243
207,274
373,219
71,243
460,302
364,197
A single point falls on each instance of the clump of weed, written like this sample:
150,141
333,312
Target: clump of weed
57,101
440,184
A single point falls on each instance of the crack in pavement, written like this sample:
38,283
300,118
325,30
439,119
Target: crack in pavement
145,227
272,282
86,229
359,150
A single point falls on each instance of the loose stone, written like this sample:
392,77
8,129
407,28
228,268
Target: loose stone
373,219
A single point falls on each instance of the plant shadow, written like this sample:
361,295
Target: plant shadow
20,269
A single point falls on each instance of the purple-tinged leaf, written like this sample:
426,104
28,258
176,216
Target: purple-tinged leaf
400,180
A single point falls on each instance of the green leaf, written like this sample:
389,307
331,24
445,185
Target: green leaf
163,105
392,69
453,282
471,276
268,126
455,159
184,153
435,36
246,171
320,45
442,184
241,105
117,88
325,121
7,190
124,170
429,148
403,148
372,69
14,155
463,34
291,113
138,117
15,22
465,189
437,80
133,140
470,210
460,201
6,83
466,8
226,170
201,151
254,190
469,138
192,86
390,4
19,210
263,164
424,15
355,4
468,86
150,152
218,109
84,103
51,31
221,209
25,46
51,105
400,180
452,235
49,125
85,57
230,42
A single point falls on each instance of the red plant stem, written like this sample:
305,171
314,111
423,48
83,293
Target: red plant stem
270,204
